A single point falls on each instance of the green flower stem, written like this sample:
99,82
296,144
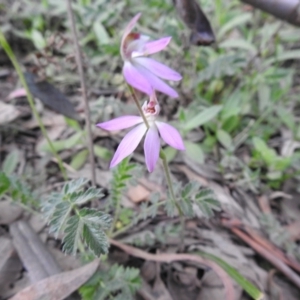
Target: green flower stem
170,185
17,67
166,168
138,105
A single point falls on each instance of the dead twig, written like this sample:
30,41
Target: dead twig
171,257
269,255
84,92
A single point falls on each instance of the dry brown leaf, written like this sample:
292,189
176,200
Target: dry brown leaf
59,286
138,193
49,119
8,113
10,265
9,212
103,177
294,230
66,262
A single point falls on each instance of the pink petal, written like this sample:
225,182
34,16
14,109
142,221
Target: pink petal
158,69
17,93
156,83
130,26
136,79
128,144
120,123
156,46
170,135
151,148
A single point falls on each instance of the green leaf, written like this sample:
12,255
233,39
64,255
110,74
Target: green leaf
233,105
95,239
82,197
239,44
171,208
264,97
101,33
194,151
10,163
74,185
117,280
102,152
234,22
287,55
267,154
186,207
95,222
59,216
38,39
224,65
231,123
281,163
79,159
207,203
189,188
4,183
203,117
68,143
72,235
246,285
286,116
170,153
225,139
95,217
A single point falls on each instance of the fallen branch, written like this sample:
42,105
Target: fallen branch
267,254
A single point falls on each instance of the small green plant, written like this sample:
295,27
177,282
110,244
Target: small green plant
116,283
84,225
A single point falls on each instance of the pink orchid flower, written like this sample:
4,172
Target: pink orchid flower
141,72
152,134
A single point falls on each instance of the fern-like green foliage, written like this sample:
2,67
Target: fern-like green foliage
121,175
193,200
79,225
17,190
116,283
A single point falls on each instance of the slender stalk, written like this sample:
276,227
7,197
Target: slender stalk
17,67
166,168
138,105
84,92
170,185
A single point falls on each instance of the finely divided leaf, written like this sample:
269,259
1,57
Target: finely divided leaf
208,206
95,239
72,235
82,197
96,217
60,216
74,185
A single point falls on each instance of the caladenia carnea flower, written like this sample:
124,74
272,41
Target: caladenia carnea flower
152,134
140,71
